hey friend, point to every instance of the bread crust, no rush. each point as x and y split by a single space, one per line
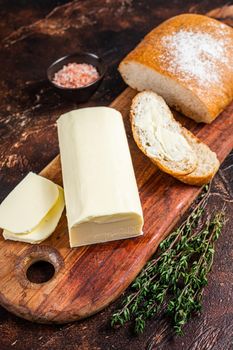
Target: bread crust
152 47
205 178
197 181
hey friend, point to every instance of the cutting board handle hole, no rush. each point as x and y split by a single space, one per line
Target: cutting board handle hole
38 265
40 271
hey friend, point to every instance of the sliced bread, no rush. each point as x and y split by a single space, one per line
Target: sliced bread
159 136
207 166
171 147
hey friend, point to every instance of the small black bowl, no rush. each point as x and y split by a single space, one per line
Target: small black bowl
81 94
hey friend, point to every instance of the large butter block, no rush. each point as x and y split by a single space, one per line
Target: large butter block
101 194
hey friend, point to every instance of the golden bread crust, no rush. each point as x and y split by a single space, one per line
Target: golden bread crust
205 177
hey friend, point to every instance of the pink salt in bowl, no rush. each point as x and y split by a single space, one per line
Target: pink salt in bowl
77 76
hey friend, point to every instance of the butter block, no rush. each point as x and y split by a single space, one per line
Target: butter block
102 200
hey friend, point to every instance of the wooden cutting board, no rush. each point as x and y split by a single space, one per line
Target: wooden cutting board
87 279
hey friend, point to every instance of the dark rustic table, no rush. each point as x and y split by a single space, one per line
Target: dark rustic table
32 35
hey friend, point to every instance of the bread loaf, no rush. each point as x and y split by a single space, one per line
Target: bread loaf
170 146
188 61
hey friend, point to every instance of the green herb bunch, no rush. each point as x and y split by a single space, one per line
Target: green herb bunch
175 279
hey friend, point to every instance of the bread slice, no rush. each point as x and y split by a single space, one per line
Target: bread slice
188 61
207 166
159 136
170 146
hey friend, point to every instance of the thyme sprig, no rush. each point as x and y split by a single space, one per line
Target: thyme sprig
175 279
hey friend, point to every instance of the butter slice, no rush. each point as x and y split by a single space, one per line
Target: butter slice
28 203
102 200
45 228
31 212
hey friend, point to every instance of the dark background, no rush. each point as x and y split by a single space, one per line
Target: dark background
32 35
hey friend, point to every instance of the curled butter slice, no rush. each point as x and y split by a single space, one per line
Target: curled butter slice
45 228
28 203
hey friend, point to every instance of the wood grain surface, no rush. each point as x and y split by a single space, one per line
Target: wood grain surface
88 278
32 35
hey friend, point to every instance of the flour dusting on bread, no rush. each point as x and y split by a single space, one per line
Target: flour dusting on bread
193 55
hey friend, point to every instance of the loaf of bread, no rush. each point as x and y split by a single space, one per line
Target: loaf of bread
188 60
170 146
